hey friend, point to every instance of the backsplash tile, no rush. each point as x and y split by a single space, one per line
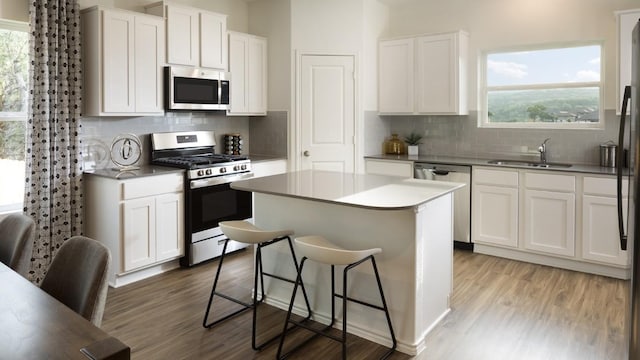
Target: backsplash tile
460 136
98 132
268 134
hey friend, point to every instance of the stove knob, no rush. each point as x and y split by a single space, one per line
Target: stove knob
208 172
200 173
243 167
223 170
236 168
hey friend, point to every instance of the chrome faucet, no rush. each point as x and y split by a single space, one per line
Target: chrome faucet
543 151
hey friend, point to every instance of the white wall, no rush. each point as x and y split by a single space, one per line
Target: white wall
495 24
17 10
376 17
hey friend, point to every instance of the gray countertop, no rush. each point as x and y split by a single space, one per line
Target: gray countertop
145 170
437 159
150 170
359 190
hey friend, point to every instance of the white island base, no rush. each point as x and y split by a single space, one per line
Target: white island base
415 265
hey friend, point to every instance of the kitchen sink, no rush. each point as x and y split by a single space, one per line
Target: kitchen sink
528 163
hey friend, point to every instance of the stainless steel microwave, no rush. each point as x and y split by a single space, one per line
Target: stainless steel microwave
188 88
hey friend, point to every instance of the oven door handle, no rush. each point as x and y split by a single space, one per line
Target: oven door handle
218 180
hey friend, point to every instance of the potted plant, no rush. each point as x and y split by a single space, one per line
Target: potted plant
413 140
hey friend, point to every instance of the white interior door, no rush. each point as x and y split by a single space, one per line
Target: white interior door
326 113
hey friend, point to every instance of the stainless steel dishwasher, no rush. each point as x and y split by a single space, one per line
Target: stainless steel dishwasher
461 197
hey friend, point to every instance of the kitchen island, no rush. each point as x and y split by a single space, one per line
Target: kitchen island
410 219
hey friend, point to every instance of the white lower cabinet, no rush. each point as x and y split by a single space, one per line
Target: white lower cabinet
140 220
549 222
600 234
496 215
549 213
139 232
554 218
494 204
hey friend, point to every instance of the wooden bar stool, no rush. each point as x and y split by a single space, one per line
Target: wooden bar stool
320 250
245 232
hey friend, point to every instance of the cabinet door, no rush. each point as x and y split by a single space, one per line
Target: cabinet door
149 50
549 222
169 230
118 62
139 244
600 238
495 215
182 36
396 76
238 60
213 41
257 73
439 62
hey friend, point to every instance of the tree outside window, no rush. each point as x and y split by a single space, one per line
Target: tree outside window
555 87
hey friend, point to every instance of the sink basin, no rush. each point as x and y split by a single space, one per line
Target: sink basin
528 163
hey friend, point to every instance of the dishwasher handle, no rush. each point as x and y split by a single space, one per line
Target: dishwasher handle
440 172
429 173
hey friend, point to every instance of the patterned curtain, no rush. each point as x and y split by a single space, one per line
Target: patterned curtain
53 189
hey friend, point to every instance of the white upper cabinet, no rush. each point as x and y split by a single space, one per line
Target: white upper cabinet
627 20
195 37
183 44
395 76
248 67
122 59
213 40
423 75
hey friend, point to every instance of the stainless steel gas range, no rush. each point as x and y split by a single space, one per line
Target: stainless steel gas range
209 199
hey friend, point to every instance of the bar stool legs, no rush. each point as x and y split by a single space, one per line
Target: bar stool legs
258 276
343 338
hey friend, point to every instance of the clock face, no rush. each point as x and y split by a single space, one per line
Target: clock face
126 150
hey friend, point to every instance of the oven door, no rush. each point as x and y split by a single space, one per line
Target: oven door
210 205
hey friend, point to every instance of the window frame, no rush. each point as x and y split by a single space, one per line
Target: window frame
12 25
483 90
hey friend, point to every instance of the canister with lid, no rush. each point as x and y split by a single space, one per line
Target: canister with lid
608 153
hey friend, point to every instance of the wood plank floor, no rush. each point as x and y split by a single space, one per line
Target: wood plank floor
501 309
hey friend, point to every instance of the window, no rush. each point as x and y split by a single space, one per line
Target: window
544 88
14 77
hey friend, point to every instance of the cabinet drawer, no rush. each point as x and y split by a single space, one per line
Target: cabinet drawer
565 183
495 177
392 168
152 185
604 186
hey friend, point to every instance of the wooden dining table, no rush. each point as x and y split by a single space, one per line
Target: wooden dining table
34 325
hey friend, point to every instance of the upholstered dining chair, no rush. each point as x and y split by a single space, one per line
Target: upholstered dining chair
77 277
16 242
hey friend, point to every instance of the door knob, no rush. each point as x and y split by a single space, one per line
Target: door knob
306 153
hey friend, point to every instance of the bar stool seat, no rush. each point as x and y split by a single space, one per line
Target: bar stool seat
245 232
321 250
